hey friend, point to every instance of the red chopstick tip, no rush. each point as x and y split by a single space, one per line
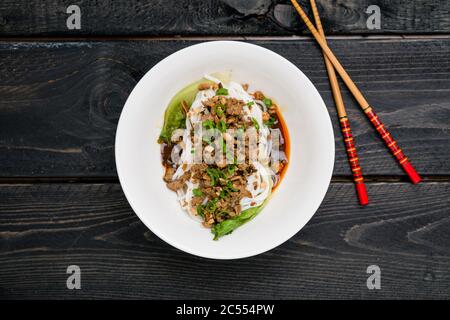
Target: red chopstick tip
412 173
362 194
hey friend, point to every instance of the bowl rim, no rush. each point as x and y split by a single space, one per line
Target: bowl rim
178 244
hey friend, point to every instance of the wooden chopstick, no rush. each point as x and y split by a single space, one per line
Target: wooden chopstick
368 110
343 119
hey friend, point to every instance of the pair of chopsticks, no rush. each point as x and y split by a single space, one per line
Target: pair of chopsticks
333 65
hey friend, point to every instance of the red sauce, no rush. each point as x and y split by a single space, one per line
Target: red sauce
285 147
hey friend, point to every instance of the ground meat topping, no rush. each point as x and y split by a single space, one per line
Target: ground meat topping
223 189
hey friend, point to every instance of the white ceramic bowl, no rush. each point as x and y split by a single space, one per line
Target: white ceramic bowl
312 148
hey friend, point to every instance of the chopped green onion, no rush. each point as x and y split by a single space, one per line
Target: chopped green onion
230 187
222 126
255 123
250 103
219 110
197 192
209 124
222 92
270 122
213 175
267 102
200 209
224 146
230 169
212 205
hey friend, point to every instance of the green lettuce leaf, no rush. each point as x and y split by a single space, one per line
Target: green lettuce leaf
227 226
174 116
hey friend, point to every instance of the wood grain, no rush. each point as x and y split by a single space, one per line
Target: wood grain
60 101
216 17
46 227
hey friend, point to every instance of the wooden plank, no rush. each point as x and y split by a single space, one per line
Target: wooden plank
46 227
60 101
217 17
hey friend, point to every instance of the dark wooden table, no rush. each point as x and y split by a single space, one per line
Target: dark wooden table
62 91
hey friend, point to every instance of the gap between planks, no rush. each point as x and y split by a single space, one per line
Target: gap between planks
71 38
101 180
